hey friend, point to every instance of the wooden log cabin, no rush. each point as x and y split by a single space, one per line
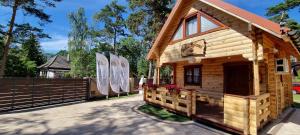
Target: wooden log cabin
233 67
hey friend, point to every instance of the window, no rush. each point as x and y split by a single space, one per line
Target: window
179 33
281 66
191 26
207 25
192 75
196 24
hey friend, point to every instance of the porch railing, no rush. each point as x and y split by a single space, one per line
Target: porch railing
245 113
181 102
259 112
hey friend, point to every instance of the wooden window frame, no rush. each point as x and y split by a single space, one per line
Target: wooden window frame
200 75
198 14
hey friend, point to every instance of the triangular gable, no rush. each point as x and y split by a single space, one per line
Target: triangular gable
185 5
195 22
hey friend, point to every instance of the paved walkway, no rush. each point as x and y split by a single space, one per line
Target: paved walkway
105 117
289 126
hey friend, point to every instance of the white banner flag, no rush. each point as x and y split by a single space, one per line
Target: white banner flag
124 74
115 71
102 74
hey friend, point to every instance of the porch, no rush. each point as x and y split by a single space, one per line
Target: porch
242 114
230 92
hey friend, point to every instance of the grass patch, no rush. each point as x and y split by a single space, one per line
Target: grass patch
162 114
296 100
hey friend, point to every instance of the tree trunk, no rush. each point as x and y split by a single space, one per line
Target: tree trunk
8 39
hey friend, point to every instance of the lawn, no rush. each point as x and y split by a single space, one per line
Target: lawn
162 114
297 100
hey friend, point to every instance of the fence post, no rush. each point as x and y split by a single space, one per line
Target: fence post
49 91
88 81
13 90
32 89
75 90
63 93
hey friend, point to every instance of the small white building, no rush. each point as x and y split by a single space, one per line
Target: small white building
55 67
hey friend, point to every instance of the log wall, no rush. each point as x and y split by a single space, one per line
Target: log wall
236 112
229 42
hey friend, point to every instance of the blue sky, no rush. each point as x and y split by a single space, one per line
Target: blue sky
60 27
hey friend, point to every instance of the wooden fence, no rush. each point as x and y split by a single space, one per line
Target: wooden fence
21 93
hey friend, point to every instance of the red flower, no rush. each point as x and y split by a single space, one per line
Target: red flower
173 88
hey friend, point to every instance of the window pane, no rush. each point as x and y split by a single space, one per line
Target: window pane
191 26
279 61
189 76
207 25
178 34
196 75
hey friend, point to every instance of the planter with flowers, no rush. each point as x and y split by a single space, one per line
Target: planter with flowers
173 89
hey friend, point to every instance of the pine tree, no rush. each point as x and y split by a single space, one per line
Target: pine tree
114 23
30 7
146 20
275 12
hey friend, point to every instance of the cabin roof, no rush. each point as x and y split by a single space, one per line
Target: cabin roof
56 62
257 21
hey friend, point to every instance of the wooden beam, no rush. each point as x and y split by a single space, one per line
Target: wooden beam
174 74
158 76
256 84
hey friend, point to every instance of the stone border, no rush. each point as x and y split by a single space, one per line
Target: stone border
191 122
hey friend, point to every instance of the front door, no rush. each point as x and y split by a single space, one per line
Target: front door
238 78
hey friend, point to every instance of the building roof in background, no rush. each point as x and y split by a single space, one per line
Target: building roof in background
56 62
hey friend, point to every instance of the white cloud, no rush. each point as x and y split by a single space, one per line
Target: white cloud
55 44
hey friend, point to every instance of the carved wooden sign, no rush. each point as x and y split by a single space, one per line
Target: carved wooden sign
196 48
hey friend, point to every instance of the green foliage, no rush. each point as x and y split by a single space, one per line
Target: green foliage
78 47
15 65
63 53
24 31
131 49
143 67
31 50
145 21
32 7
275 12
114 23
23 60
28 7
165 74
1 46
148 17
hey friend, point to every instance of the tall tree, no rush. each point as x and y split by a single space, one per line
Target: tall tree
147 19
131 49
114 23
279 13
30 7
78 46
31 50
